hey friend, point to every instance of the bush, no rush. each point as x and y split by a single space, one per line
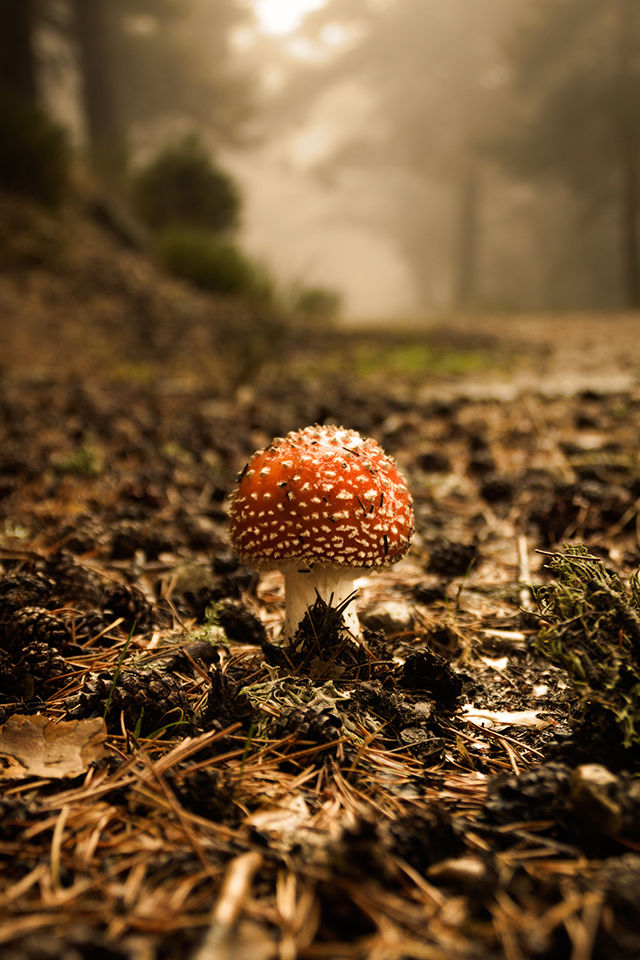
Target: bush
183 188
213 264
318 303
34 151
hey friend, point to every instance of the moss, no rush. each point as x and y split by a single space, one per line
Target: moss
413 359
85 461
592 629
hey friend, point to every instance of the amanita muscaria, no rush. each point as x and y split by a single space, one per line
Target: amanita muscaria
324 505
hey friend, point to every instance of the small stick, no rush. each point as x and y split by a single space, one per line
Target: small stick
524 575
234 892
570 556
56 845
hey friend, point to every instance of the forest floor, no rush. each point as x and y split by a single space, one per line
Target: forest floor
462 784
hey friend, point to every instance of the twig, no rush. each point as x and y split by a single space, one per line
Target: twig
56 845
234 892
570 556
524 575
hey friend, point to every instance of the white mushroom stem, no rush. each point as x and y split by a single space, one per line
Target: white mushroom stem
334 584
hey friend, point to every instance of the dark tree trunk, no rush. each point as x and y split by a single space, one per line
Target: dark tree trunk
95 26
17 59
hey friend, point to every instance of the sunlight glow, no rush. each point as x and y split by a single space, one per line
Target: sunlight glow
279 17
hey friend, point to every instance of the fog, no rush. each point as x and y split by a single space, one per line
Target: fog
313 243
424 158
415 156
323 228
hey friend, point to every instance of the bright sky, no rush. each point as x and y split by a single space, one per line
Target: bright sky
283 16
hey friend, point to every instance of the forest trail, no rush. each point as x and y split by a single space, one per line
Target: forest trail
558 354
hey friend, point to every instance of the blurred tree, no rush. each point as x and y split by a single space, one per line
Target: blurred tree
17 58
34 151
151 62
97 24
177 61
432 71
575 112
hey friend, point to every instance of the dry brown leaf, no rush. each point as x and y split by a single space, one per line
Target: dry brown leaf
37 747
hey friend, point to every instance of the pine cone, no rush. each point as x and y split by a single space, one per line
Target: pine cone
91 700
452 559
128 601
39 666
85 533
33 624
308 723
74 582
206 792
241 625
9 681
148 699
26 590
132 535
155 696
223 702
89 624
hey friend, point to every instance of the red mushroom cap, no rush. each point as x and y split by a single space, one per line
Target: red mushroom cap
321 495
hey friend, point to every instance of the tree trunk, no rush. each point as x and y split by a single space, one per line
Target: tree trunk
17 60
95 27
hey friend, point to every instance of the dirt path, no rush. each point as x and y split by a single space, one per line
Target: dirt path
562 354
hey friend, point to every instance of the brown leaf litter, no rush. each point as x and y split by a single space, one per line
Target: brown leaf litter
178 783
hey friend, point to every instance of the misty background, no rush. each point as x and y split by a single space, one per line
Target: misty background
415 157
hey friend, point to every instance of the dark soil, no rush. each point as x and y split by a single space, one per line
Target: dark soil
452 786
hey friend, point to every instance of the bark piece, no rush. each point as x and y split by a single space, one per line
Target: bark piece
32 746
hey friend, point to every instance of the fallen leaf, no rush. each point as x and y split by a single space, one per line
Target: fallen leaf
37 747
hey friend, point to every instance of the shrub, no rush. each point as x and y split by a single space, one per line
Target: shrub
317 303
183 188
34 151
214 264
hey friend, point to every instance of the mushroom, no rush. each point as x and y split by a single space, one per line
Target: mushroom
324 505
